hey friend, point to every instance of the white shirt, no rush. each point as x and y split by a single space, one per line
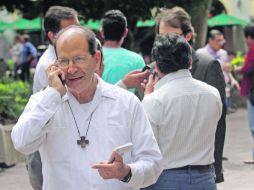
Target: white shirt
16 52
184 113
48 125
40 77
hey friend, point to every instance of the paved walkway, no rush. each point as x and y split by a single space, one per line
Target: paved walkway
238 147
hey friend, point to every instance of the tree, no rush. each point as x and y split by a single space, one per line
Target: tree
133 9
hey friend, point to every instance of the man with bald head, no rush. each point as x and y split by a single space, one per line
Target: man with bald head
76 124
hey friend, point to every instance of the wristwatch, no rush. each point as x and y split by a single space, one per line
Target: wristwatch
127 178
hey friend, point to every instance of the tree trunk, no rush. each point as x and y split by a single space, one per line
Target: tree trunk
199 22
200 26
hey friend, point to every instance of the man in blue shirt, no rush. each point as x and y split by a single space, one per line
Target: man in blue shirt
28 53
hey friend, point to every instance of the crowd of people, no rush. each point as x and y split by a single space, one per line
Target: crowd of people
23 54
85 104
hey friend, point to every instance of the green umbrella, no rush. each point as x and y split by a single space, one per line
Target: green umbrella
146 23
224 20
24 24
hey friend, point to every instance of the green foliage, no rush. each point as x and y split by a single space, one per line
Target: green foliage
13 97
10 64
238 60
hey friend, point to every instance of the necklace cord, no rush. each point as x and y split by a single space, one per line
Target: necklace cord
76 121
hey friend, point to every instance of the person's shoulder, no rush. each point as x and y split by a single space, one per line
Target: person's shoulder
131 53
201 50
204 58
206 87
47 58
251 49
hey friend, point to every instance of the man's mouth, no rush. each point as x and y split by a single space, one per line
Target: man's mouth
72 79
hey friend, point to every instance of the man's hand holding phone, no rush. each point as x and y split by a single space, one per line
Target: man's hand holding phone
135 78
56 78
114 167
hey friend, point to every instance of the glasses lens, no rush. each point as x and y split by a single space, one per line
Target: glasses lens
63 62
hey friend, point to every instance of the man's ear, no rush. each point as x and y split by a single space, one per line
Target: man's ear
99 67
102 33
125 33
51 36
188 36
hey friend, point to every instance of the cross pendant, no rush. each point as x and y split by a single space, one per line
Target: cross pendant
82 142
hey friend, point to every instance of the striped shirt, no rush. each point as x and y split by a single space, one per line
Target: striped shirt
184 113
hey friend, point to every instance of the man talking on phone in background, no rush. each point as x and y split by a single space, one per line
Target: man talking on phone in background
76 124
205 69
184 113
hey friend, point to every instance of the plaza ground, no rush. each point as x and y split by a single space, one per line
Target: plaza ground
238 146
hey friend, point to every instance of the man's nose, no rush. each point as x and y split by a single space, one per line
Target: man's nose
72 67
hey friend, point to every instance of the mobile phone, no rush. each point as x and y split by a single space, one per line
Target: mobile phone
123 149
146 68
63 81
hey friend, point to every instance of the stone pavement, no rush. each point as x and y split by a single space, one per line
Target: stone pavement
238 146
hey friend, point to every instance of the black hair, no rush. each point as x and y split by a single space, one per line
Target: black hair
54 16
26 37
213 33
114 24
249 31
171 53
88 34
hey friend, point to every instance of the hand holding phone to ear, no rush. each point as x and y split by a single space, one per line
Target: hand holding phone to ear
56 78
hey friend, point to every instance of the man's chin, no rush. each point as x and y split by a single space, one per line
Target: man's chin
76 89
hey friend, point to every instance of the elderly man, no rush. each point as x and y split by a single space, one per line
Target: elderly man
76 123
184 113
56 18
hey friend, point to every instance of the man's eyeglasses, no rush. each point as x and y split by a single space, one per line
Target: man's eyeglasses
78 60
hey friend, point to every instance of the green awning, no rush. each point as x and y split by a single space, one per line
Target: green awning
92 24
224 20
4 26
96 24
24 24
146 23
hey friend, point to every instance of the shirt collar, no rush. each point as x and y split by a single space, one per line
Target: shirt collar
172 76
215 54
210 50
51 48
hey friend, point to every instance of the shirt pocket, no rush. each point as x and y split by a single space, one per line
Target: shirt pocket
58 143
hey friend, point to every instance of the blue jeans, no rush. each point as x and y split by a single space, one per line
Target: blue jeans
184 180
250 109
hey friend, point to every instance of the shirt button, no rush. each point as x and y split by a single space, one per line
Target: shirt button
94 186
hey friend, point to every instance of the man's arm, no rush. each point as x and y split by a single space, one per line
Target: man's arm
31 128
133 79
147 157
146 166
28 133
